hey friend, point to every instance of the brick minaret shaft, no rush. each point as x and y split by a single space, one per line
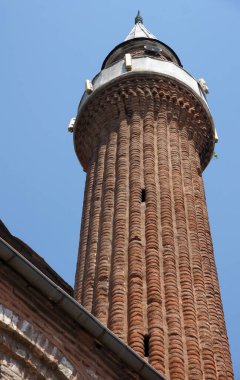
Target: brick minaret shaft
146 267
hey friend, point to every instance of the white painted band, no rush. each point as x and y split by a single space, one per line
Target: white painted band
141 65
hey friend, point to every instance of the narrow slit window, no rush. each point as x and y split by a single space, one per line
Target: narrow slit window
143 195
146 345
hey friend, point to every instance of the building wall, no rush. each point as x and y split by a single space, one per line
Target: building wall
38 341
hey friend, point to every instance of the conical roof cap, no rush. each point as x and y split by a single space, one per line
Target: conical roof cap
139 30
137 35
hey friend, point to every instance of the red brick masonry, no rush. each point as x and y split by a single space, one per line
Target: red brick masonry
39 341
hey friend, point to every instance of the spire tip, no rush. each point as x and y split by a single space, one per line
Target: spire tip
138 18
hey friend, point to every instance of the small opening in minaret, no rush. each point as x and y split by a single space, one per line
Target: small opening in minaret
152 50
143 197
146 345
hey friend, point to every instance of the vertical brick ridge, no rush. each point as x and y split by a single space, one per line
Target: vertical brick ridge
191 347
175 350
118 280
198 289
219 335
160 117
104 252
191 327
217 294
181 364
90 262
140 87
154 298
84 233
135 254
198 272
162 154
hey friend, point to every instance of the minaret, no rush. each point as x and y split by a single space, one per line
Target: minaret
144 134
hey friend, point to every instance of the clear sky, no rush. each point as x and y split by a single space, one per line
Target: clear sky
48 49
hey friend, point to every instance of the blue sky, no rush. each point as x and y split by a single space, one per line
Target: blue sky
48 49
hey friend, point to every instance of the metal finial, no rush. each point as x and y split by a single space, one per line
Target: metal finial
138 18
